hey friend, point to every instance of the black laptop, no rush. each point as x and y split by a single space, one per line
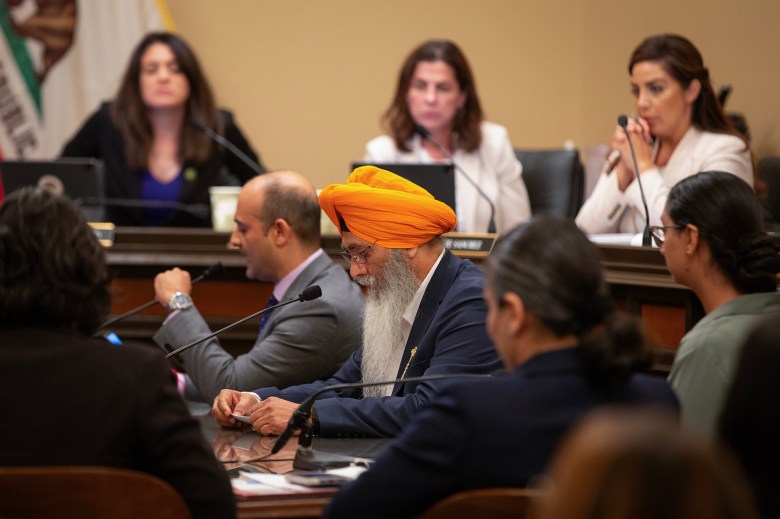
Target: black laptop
437 179
79 178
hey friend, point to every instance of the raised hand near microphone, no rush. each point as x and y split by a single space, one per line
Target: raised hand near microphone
167 283
643 147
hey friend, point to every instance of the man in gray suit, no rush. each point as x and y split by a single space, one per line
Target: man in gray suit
278 230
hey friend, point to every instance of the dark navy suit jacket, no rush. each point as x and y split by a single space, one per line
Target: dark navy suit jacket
497 432
450 336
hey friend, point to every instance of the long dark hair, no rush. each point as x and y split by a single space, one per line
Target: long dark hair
557 273
467 121
128 112
730 220
53 271
682 60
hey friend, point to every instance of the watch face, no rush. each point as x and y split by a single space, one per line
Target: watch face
180 301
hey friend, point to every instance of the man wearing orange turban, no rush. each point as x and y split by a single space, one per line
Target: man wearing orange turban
424 313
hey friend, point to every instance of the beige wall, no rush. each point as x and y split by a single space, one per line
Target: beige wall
309 79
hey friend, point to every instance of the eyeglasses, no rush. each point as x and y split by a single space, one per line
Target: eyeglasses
658 232
357 257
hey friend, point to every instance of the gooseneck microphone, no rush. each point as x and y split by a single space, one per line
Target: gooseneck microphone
301 416
309 293
623 122
214 270
426 135
214 136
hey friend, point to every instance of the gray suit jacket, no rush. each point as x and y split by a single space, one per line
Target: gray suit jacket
301 342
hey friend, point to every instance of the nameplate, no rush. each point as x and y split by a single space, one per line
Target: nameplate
478 244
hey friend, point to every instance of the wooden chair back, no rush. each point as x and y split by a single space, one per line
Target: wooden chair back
86 493
485 503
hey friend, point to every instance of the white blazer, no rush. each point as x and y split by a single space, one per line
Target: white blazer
607 210
493 167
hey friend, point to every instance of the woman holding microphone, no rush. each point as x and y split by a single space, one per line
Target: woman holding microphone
679 130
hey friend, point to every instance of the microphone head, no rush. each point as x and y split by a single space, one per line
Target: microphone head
622 121
422 131
214 270
309 293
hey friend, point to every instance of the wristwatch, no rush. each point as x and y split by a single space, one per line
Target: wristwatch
179 301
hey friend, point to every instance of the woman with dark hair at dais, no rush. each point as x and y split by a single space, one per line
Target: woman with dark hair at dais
436 91
159 162
679 130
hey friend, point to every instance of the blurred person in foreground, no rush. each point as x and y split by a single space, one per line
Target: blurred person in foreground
630 464
750 422
114 406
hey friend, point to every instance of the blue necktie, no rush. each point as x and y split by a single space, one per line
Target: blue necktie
271 302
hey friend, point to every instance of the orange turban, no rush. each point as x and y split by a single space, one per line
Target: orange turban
380 207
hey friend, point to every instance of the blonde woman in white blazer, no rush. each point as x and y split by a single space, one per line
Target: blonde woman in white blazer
680 130
436 91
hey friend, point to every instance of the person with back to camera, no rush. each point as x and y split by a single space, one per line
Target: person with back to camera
567 351
750 424
80 400
159 163
640 464
680 129
437 91
713 242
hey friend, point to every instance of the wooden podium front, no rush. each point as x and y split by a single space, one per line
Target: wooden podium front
638 279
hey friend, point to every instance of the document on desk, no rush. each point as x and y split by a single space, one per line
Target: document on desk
634 240
258 484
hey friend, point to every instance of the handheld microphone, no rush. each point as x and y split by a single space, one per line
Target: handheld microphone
426 135
214 270
309 293
214 136
623 122
301 416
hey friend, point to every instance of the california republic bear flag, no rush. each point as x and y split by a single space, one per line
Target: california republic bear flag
58 60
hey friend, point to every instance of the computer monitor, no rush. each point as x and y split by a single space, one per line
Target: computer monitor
437 179
79 178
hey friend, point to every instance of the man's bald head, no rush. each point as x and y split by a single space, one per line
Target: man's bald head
290 196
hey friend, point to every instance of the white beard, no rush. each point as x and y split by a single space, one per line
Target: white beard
389 293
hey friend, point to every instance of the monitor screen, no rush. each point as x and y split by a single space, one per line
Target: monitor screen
79 178
437 179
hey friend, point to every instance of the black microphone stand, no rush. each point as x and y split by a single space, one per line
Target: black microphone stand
213 270
309 293
308 459
214 136
426 135
646 239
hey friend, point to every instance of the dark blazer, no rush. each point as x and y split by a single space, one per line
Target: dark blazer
100 139
73 400
300 342
450 336
498 432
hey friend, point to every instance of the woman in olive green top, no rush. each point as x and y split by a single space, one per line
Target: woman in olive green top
713 241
